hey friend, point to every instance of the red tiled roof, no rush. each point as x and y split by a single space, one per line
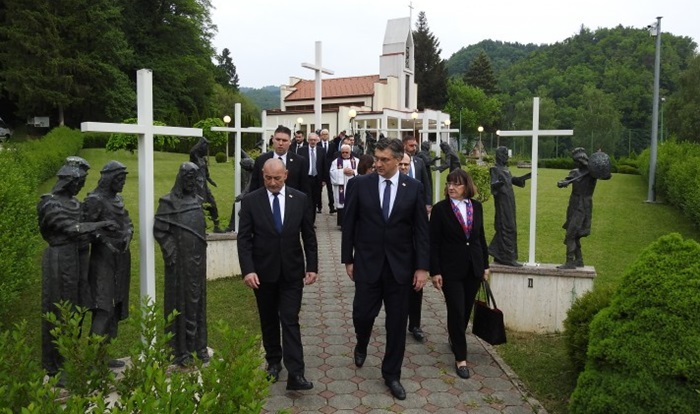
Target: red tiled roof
335 88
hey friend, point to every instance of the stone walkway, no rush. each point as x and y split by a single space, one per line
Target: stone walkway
428 369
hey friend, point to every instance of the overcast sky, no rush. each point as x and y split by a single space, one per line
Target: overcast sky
269 40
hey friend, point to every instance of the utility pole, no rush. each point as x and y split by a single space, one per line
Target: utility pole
651 195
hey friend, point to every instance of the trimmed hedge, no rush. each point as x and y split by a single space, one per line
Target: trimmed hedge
644 350
677 176
25 166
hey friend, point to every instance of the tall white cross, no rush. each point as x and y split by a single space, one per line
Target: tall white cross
316 67
145 130
263 129
535 133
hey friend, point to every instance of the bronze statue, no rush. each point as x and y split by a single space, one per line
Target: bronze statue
180 229
424 154
504 245
61 225
578 215
198 156
109 273
451 159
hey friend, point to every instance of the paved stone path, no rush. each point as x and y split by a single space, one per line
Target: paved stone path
428 375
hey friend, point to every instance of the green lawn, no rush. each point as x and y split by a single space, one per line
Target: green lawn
623 224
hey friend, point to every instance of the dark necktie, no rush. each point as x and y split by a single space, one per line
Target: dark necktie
386 200
277 213
410 168
281 159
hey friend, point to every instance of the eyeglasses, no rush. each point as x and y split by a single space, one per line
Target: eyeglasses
450 184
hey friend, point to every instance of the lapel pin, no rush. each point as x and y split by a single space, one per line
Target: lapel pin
403 184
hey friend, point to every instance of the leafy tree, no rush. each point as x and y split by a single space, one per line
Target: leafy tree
226 74
682 111
471 106
597 122
65 58
502 56
431 72
480 74
173 37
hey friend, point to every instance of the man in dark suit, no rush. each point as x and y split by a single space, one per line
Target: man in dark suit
297 166
327 144
298 142
417 170
385 249
270 254
316 156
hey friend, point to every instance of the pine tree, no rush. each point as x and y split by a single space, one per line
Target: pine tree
480 74
226 75
431 69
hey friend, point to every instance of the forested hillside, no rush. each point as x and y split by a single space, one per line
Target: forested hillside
600 83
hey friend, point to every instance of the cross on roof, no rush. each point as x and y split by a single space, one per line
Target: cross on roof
535 133
318 68
145 130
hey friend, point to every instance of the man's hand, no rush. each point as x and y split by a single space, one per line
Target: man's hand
310 278
437 282
349 271
251 280
419 278
487 273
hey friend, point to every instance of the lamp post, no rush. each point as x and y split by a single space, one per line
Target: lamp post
300 121
447 125
352 114
651 194
481 144
227 120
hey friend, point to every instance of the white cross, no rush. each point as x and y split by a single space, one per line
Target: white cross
237 148
535 133
317 83
145 130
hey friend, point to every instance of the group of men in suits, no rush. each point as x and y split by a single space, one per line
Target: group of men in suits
384 247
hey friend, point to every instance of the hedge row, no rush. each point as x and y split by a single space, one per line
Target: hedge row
677 176
24 166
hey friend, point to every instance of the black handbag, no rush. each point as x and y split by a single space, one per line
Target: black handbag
488 322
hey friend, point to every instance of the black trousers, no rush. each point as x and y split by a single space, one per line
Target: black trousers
366 305
279 304
415 307
459 298
315 186
329 192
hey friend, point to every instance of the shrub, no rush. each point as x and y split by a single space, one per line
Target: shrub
233 382
129 142
24 167
644 349
561 163
220 157
627 169
578 319
482 179
95 140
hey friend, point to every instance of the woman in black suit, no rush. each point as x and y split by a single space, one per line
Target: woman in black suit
458 257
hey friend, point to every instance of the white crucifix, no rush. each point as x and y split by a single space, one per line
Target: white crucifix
263 129
316 67
535 133
145 130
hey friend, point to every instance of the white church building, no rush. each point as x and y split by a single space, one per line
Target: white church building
384 103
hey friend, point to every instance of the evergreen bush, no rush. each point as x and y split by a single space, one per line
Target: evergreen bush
482 179
644 349
220 157
24 167
577 322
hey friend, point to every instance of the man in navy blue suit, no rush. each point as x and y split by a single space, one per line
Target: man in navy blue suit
385 249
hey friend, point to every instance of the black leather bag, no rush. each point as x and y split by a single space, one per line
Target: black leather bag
488 322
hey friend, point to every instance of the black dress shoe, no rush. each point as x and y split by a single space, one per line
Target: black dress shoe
360 357
332 211
396 389
298 383
319 211
273 372
462 372
418 334
115 363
